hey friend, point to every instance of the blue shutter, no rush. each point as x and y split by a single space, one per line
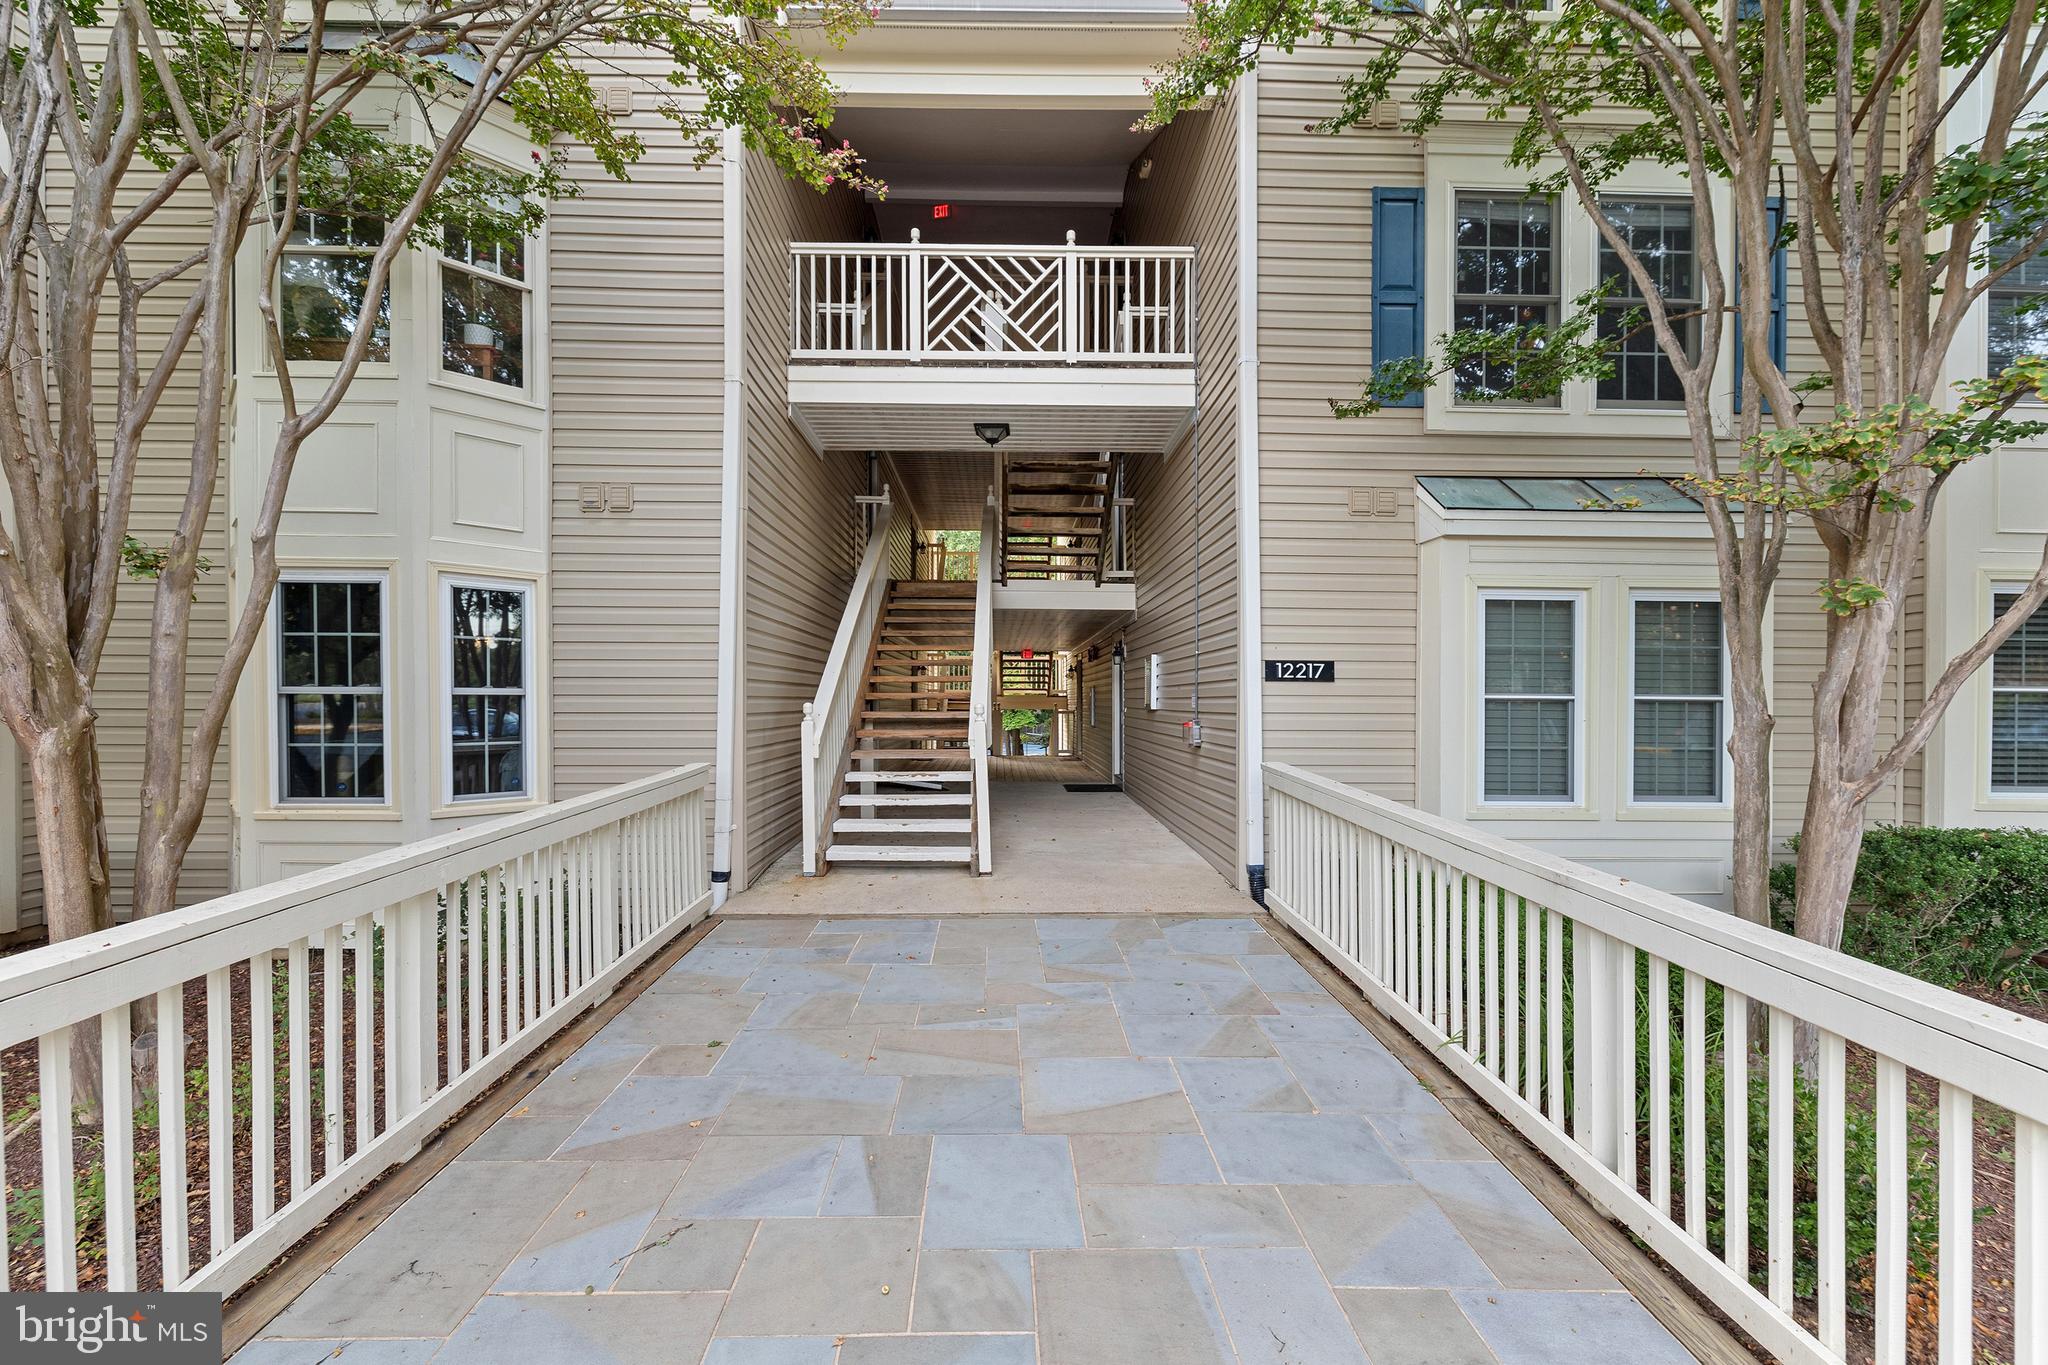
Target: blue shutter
1774 223
1397 255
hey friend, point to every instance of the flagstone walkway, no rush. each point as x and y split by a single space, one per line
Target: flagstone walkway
974 1141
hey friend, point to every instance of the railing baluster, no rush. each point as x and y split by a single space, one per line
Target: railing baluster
1660 1085
263 1087
1553 1006
1695 1037
1778 1200
1454 954
1890 1230
1532 966
494 971
452 930
333 1049
1735 1131
117 1147
60 1197
1958 1219
220 1109
1626 1162
298 1060
365 933
1832 1242
2030 1241
170 1133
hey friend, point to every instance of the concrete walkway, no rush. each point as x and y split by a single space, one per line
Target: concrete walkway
974 1141
1056 853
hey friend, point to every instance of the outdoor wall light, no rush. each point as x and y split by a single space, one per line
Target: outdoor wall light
995 433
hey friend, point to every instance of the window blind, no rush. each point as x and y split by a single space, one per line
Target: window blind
1678 701
1530 692
2019 704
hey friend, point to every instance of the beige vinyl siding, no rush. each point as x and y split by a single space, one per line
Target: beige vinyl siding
634 309
1096 742
803 530
120 695
1185 564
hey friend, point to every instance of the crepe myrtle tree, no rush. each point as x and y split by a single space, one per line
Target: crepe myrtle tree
133 120
1844 109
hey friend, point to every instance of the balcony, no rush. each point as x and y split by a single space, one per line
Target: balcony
906 346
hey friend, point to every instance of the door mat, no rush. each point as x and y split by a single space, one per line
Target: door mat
1094 786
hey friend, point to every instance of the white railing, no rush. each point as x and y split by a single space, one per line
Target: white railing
828 717
1549 988
980 720
1009 304
374 999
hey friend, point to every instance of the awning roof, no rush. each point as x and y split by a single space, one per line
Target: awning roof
1551 493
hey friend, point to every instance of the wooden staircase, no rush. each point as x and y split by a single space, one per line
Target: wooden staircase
907 795
1056 513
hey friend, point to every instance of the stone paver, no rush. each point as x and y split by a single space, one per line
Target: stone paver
980 1141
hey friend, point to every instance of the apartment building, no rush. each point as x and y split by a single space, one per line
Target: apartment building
665 487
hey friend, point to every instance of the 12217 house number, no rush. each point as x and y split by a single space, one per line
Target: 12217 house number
1300 670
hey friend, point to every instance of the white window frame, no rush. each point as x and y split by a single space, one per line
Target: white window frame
1576 799
448 692
443 263
1624 405
1993 791
278 690
1628 755
391 321
1555 304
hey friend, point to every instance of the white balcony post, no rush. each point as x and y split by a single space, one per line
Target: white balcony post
915 304
410 940
1070 302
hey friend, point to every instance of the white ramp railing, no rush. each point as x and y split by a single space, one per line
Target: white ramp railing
980 721
309 1035
1016 305
1611 1025
828 717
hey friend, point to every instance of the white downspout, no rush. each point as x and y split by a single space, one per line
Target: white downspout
1251 670
731 504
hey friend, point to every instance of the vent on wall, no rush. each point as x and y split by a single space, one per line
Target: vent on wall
617 100
1374 502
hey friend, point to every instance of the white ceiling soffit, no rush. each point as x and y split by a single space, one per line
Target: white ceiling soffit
949 491
1050 408
1053 628
1037 430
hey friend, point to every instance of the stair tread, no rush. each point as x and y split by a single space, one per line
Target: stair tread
898 775
906 799
860 825
952 758
869 732
1063 487
899 853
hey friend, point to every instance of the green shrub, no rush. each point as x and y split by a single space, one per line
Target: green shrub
1947 906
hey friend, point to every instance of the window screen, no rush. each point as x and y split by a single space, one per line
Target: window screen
1678 701
1530 696
330 697
487 705
2019 705
2017 321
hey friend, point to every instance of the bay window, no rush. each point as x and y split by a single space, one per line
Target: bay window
330 689
322 276
484 297
1529 703
2019 705
488 684
1679 713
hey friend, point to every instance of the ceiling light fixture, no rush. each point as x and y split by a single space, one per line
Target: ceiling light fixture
995 433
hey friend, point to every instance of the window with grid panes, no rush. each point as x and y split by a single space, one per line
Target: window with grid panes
2019 704
487 715
1506 276
2016 309
1660 233
484 306
1529 703
321 277
330 690
1679 704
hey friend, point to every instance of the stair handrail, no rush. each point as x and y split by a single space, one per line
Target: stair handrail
830 714
979 728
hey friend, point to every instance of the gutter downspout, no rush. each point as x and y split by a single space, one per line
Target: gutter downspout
1251 673
731 502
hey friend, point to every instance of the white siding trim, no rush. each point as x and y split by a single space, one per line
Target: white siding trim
731 525
1251 673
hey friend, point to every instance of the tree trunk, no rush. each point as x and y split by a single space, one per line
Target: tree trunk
71 842
1749 748
1830 838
